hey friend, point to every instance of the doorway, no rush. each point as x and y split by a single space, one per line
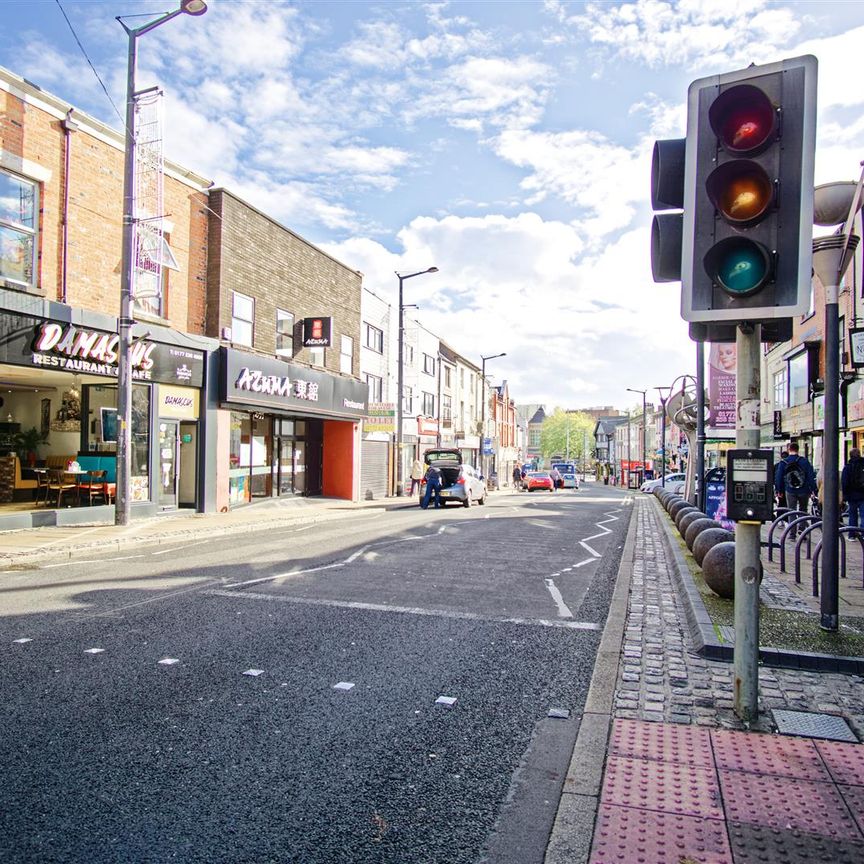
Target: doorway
168 464
188 460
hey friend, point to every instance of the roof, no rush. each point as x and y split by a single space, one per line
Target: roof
539 416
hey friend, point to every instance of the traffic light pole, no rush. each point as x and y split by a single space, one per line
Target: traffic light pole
700 424
747 534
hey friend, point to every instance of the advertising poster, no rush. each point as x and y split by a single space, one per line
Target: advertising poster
722 362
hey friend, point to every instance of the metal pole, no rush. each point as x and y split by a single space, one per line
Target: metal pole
644 435
400 374
629 463
747 534
700 425
663 441
438 436
483 415
829 594
122 504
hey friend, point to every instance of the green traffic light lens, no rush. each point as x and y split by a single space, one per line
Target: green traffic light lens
738 265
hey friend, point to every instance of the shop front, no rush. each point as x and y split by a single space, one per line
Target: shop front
291 430
59 409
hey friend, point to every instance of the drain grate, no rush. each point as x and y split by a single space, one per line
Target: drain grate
806 724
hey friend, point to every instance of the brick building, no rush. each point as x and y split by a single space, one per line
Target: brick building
61 188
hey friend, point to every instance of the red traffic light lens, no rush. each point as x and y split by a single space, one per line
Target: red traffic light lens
738 265
741 191
744 119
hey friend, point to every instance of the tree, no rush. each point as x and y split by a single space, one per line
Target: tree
567 433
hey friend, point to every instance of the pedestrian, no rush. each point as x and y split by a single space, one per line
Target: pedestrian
517 477
852 487
416 475
796 479
433 487
555 474
780 497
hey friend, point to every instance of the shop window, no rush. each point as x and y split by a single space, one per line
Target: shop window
429 404
799 379
346 355
242 319
284 334
407 401
375 388
373 338
19 209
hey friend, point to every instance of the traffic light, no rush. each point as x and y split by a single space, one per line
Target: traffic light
748 194
667 193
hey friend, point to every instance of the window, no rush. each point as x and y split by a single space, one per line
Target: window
780 381
19 210
284 334
316 356
346 355
154 260
447 376
428 364
375 388
408 352
407 401
446 410
429 404
799 379
373 338
242 319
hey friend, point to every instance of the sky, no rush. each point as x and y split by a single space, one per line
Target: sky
506 143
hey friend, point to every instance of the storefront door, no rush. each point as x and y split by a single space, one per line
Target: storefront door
168 464
283 467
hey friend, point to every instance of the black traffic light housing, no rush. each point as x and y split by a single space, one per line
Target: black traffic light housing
748 195
667 193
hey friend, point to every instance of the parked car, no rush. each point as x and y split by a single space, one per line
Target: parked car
539 480
651 485
459 482
570 480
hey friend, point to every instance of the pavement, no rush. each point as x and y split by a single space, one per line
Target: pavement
662 770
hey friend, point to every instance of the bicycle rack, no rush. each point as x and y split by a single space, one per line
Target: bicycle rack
856 533
784 514
806 533
793 526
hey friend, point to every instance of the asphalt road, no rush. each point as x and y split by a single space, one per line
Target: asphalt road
372 689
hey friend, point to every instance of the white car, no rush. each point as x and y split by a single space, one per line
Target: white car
570 480
651 485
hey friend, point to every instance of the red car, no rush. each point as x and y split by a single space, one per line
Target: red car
539 480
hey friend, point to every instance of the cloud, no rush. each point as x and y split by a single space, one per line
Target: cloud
688 33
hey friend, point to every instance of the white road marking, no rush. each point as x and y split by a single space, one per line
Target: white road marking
94 650
178 548
69 563
254 673
381 607
563 610
20 641
344 685
168 661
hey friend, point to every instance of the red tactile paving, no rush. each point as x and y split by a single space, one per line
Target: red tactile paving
787 804
854 798
626 835
768 754
844 761
752 844
662 786
664 742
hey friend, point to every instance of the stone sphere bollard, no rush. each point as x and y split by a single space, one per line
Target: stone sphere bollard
676 507
718 569
685 521
684 511
696 527
708 538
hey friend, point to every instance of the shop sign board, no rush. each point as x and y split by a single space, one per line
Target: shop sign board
264 382
856 341
317 332
381 417
426 425
179 402
57 345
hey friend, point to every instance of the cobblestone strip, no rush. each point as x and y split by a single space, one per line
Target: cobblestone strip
661 679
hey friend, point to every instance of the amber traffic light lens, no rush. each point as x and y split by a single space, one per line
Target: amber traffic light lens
741 191
744 119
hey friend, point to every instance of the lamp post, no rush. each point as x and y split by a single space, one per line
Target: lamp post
122 509
642 446
663 401
400 374
483 407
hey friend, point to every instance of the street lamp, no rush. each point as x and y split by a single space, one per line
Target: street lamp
483 407
643 445
400 374
122 509
663 401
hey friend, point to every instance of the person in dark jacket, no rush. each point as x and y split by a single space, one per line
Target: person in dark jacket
852 486
780 497
433 487
795 479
